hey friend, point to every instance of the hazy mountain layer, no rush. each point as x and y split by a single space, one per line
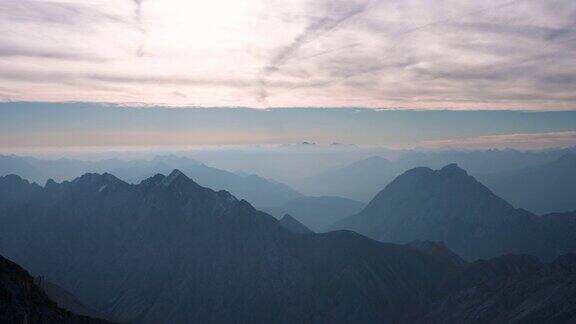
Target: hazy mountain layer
260 191
317 213
451 206
541 189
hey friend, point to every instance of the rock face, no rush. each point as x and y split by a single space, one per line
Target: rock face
168 250
451 206
22 301
294 226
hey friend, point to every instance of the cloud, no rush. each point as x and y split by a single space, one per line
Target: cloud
334 15
54 12
8 51
517 141
417 53
139 25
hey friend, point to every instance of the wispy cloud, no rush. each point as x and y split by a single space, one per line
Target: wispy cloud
139 25
515 54
334 15
517 141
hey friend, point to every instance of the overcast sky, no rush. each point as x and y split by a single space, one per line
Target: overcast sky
489 54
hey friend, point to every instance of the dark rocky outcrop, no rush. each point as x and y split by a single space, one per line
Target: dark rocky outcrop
22 301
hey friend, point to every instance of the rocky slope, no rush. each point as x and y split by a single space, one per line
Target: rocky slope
22 301
509 289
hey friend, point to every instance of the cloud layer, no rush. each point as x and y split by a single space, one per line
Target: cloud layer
516 54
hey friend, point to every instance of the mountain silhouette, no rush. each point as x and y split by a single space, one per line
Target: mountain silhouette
170 250
22 301
258 190
451 206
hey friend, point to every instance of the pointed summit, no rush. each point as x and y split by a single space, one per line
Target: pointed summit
434 205
176 176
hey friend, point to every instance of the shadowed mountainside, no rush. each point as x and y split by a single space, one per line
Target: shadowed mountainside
22 301
451 206
169 250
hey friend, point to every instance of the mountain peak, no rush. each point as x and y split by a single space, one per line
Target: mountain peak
174 177
434 205
453 169
14 179
97 179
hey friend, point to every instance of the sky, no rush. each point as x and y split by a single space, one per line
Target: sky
33 125
419 54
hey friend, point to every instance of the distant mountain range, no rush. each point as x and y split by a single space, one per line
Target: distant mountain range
169 250
359 180
22 301
317 213
260 191
541 189
451 206
542 182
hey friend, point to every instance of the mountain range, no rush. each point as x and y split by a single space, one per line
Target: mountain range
358 181
170 250
541 182
260 191
545 188
451 206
